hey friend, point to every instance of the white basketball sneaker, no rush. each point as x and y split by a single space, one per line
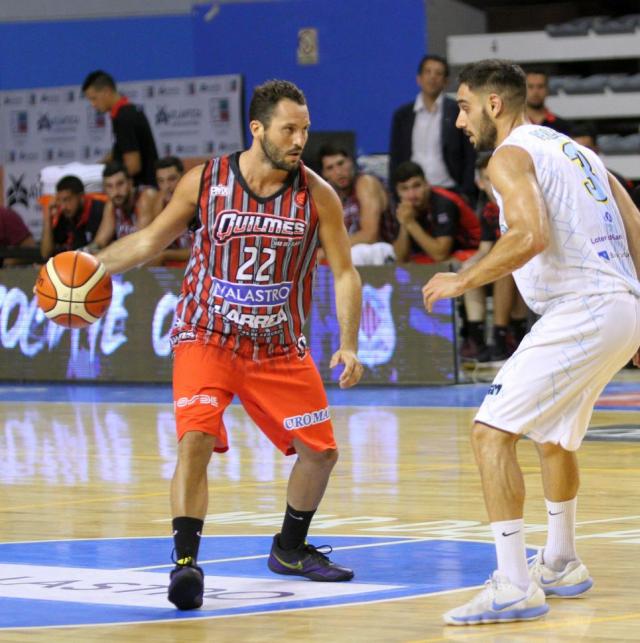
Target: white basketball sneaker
571 582
500 602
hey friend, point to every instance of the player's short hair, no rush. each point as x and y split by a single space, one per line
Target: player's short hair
170 161
405 171
501 77
71 183
331 149
98 79
268 95
114 167
439 59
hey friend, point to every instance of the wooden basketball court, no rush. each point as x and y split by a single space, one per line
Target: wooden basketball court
94 472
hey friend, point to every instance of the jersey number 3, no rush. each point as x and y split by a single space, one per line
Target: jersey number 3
593 183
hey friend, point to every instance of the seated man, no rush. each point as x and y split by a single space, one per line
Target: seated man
128 209
364 202
13 234
509 310
431 224
72 220
169 171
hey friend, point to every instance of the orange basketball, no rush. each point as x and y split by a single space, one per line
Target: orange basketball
73 289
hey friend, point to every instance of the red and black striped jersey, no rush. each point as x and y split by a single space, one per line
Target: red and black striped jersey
185 239
248 283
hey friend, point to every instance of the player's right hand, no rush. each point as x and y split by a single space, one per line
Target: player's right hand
443 285
636 359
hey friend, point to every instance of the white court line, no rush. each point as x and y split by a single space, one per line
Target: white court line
593 522
258 556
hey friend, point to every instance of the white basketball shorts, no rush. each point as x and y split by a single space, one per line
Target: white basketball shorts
547 389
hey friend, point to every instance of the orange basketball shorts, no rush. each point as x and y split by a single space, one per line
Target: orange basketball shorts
283 395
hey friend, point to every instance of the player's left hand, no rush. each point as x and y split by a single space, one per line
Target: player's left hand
636 359
352 371
443 285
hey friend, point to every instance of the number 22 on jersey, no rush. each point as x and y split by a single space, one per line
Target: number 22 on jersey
253 256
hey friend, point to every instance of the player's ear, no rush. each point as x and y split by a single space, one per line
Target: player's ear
257 128
496 105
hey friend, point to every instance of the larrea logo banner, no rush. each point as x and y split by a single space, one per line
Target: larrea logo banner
306 419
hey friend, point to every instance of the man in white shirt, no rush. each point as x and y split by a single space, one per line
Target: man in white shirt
424 131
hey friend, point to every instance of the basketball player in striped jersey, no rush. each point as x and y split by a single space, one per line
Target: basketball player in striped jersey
261 217
571 238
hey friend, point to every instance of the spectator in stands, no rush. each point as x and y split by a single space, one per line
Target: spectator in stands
537 111
586 134
424 131
509 310
134 145
365 203
72 220
169 171
14 234
128 209
431 224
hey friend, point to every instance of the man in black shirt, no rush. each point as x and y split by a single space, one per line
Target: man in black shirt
432 224
537 111
71 222
134 146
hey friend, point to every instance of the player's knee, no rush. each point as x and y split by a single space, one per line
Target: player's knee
322 459
195 446
332 457
328 458
549 450
486 439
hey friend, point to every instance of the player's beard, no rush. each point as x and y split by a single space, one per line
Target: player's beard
276 157
487 134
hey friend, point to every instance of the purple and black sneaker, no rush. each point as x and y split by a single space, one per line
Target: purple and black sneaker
186 587
308 561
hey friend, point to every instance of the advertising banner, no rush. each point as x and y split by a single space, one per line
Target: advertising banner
190 117
399 342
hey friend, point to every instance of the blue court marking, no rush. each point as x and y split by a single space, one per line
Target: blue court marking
459 396
412 567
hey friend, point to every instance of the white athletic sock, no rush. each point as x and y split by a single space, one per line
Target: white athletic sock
561 534
511 552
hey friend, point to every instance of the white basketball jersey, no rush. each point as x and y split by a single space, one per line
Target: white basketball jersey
588 253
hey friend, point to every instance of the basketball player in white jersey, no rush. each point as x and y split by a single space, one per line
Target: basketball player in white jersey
571 238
